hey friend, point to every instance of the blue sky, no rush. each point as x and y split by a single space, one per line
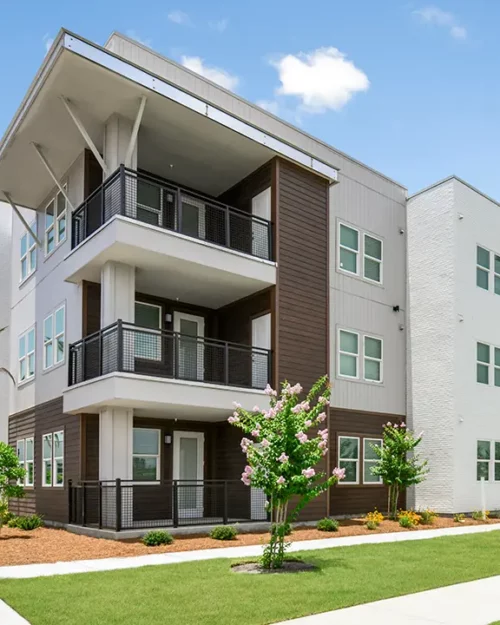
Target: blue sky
409 88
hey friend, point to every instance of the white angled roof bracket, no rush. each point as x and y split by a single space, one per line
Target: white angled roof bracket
78 123
135 131
19 214
52 174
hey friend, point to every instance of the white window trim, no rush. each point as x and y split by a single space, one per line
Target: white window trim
28 378
369 440
21 444
380 260
491 366
54 458
492 462
53 340
487 270
350 249
55 222
157 456
45 460
356 460
27 256
495 274
340 352
380 360
28 462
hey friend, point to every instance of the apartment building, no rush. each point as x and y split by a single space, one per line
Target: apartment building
193 248
454 288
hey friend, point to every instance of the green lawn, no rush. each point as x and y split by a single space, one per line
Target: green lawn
208 593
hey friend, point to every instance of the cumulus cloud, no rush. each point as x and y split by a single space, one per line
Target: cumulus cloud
322 79
219 25
179 17
215 74
437 17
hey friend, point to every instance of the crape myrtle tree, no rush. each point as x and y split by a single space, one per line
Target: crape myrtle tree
284 444
399 465
11 473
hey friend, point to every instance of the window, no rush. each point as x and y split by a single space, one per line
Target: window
348 249
348 354
370 459
488 460
28 253
20 455
372 359
372 267
53 459
349 458
483 364
53 338
47 460
27 356
25 454
147 345
482 268
55 222
146 455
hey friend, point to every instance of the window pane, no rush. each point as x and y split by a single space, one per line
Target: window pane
24 244
483 450
497 377
147 316
497 357
482 278
368 445
497 285
22 346
47 329
61 203
50 240
348 342
49 215
31 240
32 260
373 247
48 473
349 447
483 257
497 471
59 468
22 370
30 474
24 268
47 447
60 348
368 476
348 260
349 237
145 441
144 468
60 321
372 270
148 194
58 444
20 450
482 470
372 370
350 470
31 340
373 348
348 365
483 352
497 451
31 364
482 374
497 264
29 449
61 228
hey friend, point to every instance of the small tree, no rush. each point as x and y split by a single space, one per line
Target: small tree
281 455
399 465
10 473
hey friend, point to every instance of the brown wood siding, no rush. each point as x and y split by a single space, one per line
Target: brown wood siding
357 499
22 425
301 330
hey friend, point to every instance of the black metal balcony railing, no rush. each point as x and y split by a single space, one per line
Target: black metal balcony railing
143 197
126 347
125 504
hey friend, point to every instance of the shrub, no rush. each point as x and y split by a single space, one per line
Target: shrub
374 518
494 515
408 518
478 515
5 515
157 537
428 516
224 532
459 518
371 525
26 523
327 525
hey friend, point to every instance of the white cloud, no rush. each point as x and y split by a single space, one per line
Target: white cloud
322 79
133 35
269 105
438 17
215 74
219 25
179 17
47 41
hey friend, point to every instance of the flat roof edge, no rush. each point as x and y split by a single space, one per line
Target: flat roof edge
458 179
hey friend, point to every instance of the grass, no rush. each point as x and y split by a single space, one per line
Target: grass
209 593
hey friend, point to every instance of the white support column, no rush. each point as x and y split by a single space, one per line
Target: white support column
117 139
117 293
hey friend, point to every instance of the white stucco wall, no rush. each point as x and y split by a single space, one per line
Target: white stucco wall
6 386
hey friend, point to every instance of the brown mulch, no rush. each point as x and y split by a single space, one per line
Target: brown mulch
55 545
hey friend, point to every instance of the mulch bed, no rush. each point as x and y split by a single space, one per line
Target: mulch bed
56 545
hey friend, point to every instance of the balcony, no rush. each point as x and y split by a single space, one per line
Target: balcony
163 372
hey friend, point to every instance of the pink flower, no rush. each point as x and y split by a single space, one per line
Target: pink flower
270 414
245 478
245 443
295 390
248 470
323 434
321 417
308 423
322 444
255 433
296 409
265 443
310 472
301 437
322 400
280 480
338 473
256 409
233 419
283 457
278 406
395 425
236 405
270 391
305 406
388 424
403 425
324 452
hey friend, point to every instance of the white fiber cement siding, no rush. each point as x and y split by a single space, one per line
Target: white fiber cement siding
6 386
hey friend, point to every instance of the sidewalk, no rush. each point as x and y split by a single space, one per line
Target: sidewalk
472 603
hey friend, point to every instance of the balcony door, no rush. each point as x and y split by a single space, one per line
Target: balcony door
261 337
261 207
147 345
191 347
188 458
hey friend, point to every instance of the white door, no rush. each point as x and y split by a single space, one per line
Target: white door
188 469
261 337
191 349
261 207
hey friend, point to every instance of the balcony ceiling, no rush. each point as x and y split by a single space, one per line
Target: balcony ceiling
174 141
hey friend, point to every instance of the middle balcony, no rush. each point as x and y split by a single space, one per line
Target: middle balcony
193 246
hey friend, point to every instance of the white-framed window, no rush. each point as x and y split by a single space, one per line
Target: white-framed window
20 448
47 460
372 258
482 268
26 356
28 253
53 459
348 362
370 459
488 357
54 333
348 447
488 460
55 222
147 345
348 249
372 359
29 479
146 464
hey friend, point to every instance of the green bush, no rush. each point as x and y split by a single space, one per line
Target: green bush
459 518
5 514
406 521
26 523
224 532
288 529
371 525
327 525
428 516
157 537
478 515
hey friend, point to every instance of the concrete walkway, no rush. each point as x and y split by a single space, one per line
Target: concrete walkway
110 564
472 603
